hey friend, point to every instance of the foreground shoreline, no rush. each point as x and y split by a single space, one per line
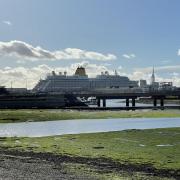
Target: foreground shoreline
10 116
106 168
143 154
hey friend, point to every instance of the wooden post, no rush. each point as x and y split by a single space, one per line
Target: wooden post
99 102
127 102
133 102
162 102
155 102
104 102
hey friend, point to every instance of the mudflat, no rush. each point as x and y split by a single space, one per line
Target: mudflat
29 165
15 165
10 116
141 154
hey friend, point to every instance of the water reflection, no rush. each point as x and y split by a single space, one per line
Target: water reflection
122 103
49 128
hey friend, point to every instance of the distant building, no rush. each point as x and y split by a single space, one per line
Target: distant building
154 85
143 83
152 77
166 86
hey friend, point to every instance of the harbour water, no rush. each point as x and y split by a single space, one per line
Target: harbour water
50 128
121 103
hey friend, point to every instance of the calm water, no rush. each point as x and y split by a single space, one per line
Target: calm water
121 103
49 128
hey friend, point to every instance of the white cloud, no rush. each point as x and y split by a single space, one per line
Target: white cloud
20 61
7 23
145 73
165 61
160 69
23 50
137 75
178 52
120 67
19 75
129 56
175 74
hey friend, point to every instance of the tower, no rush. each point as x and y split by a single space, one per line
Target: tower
153 77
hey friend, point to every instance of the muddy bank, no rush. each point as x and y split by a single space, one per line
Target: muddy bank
29 165
36 115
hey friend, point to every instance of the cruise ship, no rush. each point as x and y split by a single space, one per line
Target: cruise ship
81 82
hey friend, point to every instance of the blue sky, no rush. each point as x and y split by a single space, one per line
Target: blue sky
138 33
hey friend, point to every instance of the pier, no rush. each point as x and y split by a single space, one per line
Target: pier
158 98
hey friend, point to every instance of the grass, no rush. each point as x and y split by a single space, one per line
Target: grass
8 116
93 173
159 148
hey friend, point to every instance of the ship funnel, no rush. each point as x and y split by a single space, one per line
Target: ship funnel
80 71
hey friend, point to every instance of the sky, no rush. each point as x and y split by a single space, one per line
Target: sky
129 36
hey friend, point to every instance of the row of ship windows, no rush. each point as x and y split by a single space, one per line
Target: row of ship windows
94 83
